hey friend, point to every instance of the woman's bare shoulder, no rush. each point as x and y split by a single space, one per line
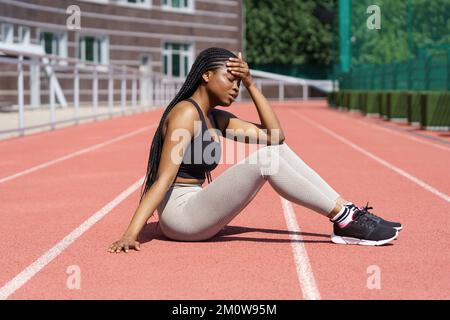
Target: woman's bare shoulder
182 115
183 110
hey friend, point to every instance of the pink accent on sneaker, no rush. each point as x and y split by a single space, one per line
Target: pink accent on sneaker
346 224
348 219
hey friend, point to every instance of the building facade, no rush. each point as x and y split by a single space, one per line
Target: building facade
158 36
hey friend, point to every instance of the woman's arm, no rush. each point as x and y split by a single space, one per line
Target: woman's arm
269 131
146 208
269 119
180 130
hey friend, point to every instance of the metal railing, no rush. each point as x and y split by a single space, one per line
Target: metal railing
96 90
67 90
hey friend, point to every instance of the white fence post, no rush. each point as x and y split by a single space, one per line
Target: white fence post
305 91
151 91
20 94
35 83
76 92
52 99
134 92
95 93
281 91
158 91
123 90
111 91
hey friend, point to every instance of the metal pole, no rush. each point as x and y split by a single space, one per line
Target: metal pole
110 91
143 92
134 92
344 34
123 90
280 91
52 100
151 91
165 90
95 93
35 86
156 91
76 92
305 92
20 97
410 23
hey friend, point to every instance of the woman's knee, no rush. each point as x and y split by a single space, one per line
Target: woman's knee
268 159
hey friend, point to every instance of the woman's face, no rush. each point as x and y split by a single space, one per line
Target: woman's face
224 86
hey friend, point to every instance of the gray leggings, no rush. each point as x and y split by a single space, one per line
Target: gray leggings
193 213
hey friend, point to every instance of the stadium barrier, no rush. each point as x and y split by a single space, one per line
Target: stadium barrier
430 110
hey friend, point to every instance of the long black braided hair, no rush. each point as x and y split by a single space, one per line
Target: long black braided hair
208 59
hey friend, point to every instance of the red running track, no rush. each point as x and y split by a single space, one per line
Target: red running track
66 195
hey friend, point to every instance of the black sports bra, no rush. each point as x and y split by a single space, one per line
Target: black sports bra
206 155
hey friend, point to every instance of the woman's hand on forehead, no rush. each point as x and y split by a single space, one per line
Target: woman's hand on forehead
239 68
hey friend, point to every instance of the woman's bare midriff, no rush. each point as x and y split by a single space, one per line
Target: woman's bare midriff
187 180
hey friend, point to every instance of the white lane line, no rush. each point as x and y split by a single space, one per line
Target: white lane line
74 154
303 267
401 172
401 134
23 277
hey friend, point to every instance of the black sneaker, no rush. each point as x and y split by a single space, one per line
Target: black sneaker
363 230
396 225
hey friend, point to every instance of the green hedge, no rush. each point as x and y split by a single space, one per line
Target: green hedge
385 101
344 99
430 109
332 99
354 100
373 104
398 106
416 100
435 112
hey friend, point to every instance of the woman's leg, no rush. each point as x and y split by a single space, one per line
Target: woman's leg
210 209
301 167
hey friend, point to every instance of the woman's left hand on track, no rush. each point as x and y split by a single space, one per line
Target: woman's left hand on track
124 244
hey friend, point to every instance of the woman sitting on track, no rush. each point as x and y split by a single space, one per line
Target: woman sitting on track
175 173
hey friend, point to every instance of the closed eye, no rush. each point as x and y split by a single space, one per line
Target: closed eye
233 79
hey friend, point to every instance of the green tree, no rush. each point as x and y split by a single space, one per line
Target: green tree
406 25
288 32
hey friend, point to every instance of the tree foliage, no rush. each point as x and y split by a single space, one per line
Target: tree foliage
406 26
290 32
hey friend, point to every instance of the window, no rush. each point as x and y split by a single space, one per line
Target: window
54 43
134 3
99 1
94 49
7 32
177 59
179 5
24 34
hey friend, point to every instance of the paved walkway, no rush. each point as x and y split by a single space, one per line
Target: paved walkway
39 119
